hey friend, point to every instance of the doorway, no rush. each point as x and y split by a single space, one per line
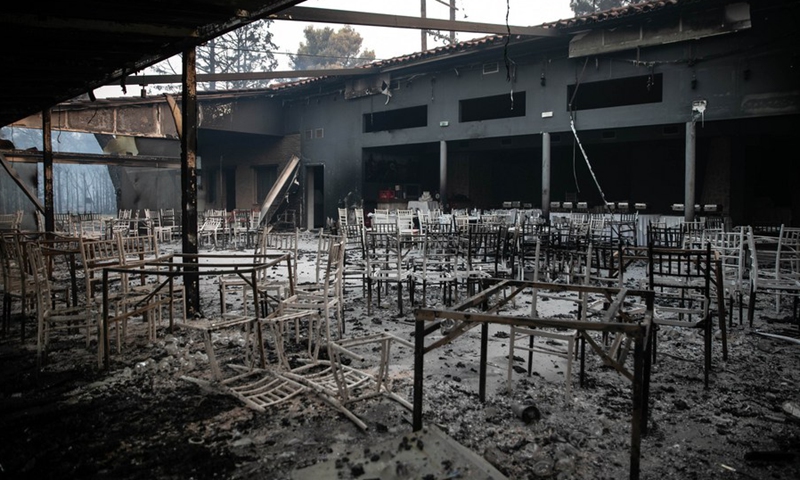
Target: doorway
229 177
315 196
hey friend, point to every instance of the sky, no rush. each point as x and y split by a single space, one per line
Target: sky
394 42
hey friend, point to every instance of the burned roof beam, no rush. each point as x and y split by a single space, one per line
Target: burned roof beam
231 77
25 156
306 14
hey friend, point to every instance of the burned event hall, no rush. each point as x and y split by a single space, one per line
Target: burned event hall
523 248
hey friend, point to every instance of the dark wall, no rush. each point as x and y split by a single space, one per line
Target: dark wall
637 150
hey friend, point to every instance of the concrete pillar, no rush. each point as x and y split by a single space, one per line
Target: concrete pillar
689 174
546 175
443 174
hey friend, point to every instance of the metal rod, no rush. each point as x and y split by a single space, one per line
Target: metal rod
419 359
636 420
484 347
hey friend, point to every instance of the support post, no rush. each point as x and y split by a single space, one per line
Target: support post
47 160
443 174
688 199
419 359
638 409
189 178
423 33
484 360
546 175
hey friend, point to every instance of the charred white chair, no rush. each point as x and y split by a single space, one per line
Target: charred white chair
51 318
775 268
559 343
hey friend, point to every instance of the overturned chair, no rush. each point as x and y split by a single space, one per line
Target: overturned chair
321 369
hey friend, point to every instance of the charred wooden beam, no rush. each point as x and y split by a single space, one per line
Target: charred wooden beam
25 156
322 15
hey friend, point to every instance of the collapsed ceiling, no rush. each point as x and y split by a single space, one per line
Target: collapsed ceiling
58 51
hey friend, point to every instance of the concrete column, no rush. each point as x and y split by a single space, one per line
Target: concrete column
689 173
546 175
443 173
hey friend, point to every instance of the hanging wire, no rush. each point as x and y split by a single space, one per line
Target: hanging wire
506 59
571 116
578 140
586 158
574 167
510 66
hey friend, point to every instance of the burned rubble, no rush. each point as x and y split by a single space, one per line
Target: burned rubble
143 419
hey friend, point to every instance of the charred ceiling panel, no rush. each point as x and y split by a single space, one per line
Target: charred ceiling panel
131 121
255 114
151 118
217 115
698 24
364 86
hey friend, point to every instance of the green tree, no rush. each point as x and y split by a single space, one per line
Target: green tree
583 7
247 49
325 48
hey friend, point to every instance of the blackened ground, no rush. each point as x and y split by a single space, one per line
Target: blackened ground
142 419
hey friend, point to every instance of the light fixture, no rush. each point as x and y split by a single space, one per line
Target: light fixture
623 205
555 204
677 207
712 208
567 205
640 206
583 205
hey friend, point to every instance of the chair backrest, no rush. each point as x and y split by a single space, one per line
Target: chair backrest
324 244
13 262
139 248
168 218
41 277
679 272
729 249
332 287
280 242
342 218
661 235
359 216
405 221
486 247
11 221
383 254
97 254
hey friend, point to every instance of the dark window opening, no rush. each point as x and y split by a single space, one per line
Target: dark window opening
492 108
399 119
213 185
616 93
